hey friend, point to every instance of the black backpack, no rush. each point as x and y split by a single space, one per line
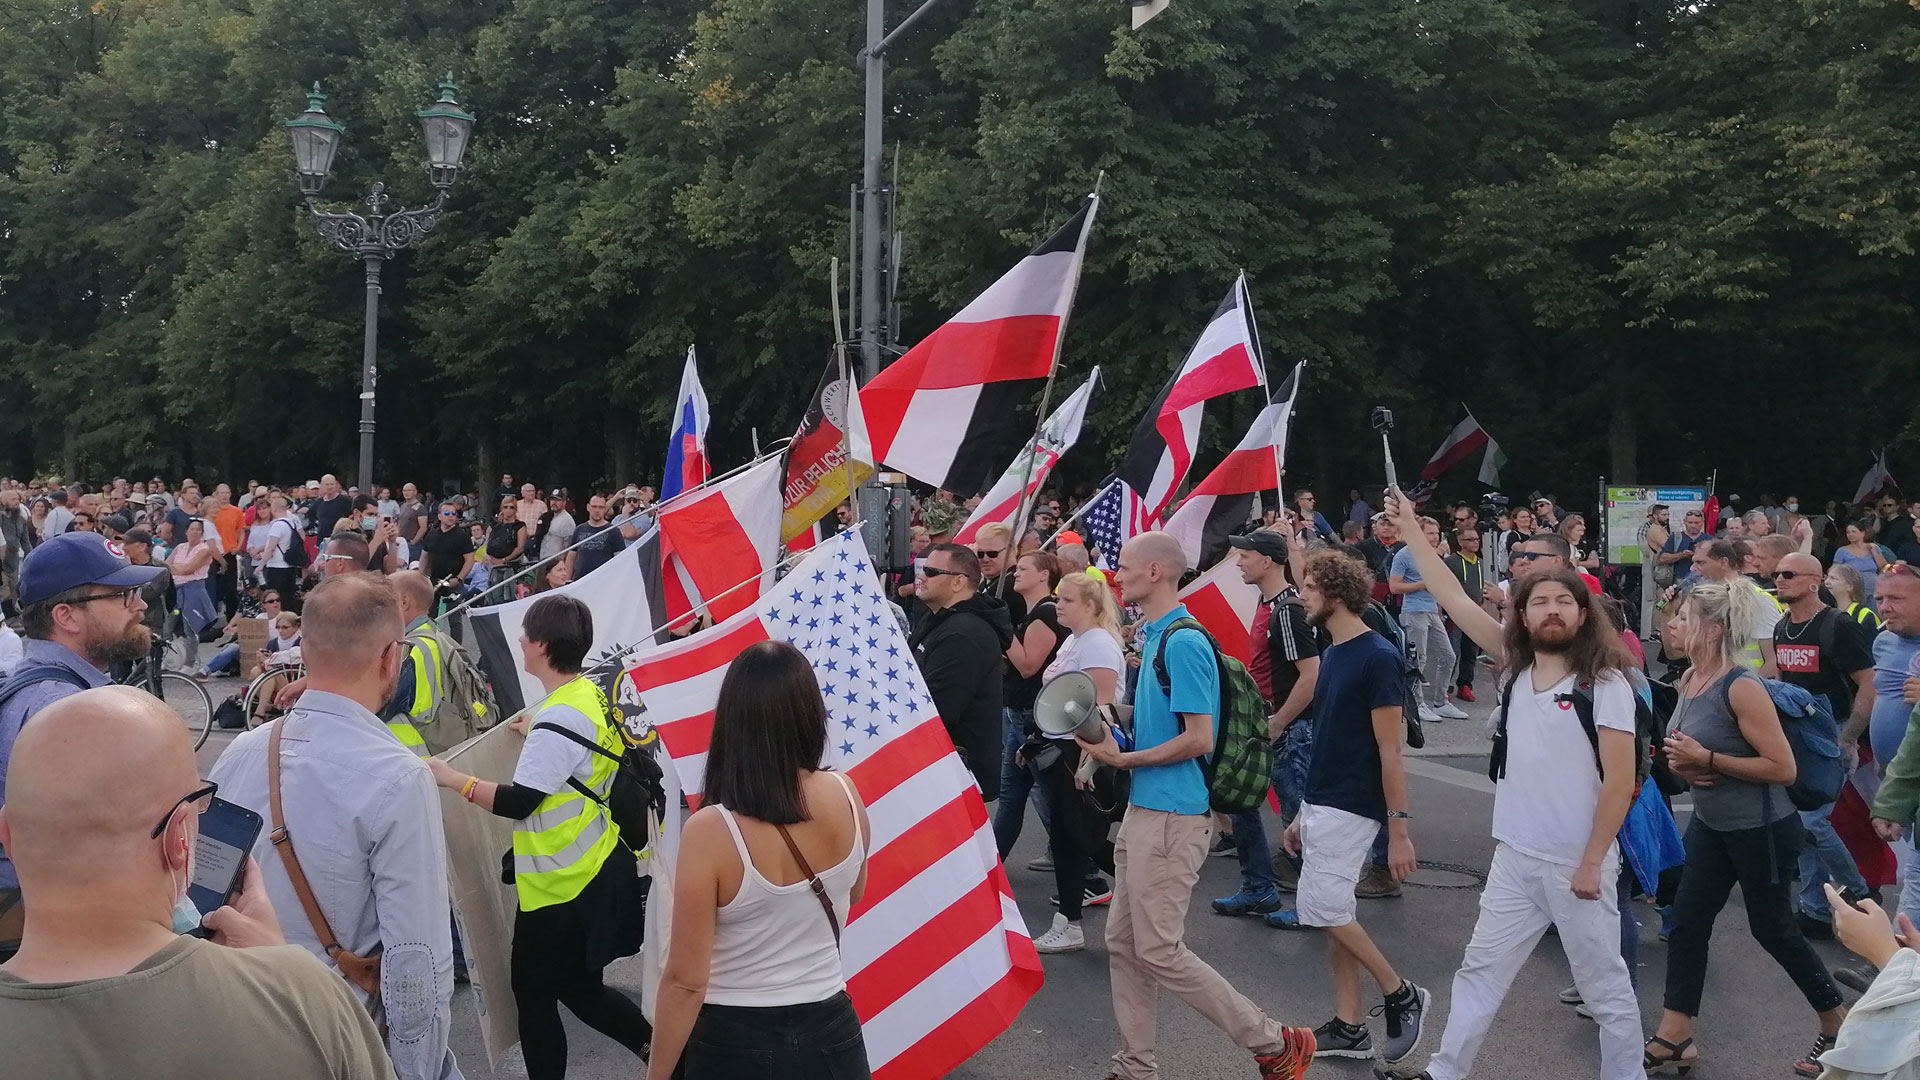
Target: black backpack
296 552
636 787
1382 622
1649 731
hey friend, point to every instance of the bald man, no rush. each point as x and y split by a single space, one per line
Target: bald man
102 821
363 817
1828 655
1167 829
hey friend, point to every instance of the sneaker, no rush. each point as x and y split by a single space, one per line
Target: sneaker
1809 1066
1858 977
1042 863
1582 1011
1429 715
1223 845
1381 1072
1063 937
1249 903
1286 873
1465 693
1296 1053
1097 893
1338 1039
1451 711
1406 1015
1815 929
1285 920
1376 884
1571 996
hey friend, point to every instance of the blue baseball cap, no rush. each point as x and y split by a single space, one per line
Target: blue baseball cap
70 560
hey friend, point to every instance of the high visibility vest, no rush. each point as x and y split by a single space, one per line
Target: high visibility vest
559 847
425 658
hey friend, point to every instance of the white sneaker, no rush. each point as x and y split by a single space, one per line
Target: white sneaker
1428 715
1452 711
1064 937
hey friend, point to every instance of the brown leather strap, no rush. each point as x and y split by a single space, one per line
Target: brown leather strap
819 887
363 972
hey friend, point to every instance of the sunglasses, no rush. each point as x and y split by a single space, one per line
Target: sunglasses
206 793
1789 575
1899 568
989 554
934 572
1529 556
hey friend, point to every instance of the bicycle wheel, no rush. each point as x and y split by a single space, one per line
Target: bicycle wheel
191 702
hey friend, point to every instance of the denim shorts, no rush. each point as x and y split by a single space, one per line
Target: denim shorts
819 1040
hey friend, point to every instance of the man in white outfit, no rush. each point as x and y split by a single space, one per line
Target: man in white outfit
1564 772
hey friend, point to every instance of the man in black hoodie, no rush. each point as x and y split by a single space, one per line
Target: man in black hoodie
961 646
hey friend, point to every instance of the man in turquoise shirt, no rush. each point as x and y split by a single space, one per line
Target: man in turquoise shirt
1165 834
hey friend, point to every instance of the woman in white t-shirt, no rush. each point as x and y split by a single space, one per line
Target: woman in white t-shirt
1086 608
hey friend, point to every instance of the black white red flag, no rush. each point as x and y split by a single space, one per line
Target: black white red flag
1230 495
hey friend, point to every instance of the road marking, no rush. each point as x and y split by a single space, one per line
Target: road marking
1447 774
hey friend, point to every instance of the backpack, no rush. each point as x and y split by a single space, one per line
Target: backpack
1240 769
636 789
1807 720
30 674
1649 730
464 700
1382 622
295 552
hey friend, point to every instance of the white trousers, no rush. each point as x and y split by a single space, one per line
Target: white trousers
1523 895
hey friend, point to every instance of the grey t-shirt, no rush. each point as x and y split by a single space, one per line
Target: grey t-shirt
194 1011
1731 803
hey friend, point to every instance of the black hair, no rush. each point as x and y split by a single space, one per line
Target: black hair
565 626
963 559
769 728
365 502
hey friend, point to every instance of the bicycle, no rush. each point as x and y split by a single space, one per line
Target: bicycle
182 693
256 703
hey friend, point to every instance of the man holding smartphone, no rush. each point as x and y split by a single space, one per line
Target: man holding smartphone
101 787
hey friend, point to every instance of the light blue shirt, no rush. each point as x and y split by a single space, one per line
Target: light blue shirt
1179 788
1413 602
29 701
1896 658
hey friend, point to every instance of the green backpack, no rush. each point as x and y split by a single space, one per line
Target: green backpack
1240 769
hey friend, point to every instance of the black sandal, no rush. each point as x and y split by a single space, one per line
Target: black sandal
1810 1066
1675 1057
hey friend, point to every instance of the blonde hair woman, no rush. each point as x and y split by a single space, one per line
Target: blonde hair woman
1727 741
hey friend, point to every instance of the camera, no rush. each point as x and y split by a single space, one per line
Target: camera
1382 419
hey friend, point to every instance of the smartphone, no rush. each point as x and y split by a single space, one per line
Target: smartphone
227 834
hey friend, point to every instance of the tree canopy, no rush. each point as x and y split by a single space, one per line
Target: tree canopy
1641 240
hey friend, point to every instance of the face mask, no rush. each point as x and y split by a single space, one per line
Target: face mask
186 917
369 523
1793 508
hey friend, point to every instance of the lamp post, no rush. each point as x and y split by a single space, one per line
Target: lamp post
380 234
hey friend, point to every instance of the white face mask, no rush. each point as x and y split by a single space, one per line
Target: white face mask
1793 508
186 917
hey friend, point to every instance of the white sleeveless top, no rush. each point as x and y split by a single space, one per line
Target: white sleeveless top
772 944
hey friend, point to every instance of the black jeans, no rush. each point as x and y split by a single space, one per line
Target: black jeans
819 1040
550 968
1078 840
285 580
1761 861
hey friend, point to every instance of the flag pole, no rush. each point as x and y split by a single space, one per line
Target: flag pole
1266 383
853 387
1077 514
1053 370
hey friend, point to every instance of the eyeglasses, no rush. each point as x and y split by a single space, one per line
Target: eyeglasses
125 596
206 793
934 572
989 554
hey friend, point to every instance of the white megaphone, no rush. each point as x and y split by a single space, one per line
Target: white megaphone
1067 705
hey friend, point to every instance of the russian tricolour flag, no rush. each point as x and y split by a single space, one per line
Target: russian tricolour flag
687 449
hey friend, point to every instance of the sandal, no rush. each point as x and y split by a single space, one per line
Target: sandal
1809 1066
1675 1058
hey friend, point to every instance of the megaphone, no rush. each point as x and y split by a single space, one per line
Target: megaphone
1067 705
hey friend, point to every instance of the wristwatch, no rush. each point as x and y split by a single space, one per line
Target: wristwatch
1401 814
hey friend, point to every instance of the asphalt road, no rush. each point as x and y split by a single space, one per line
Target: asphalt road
1754 1023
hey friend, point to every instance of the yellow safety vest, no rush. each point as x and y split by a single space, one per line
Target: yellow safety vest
559 847
425 657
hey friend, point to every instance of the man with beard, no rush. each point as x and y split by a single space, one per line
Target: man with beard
1564 775
81 612
363 821
1356 786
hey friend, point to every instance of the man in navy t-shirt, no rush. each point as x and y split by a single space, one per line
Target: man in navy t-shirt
597 541
1165 834
1355 785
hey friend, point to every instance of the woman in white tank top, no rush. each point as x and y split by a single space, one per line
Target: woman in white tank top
769 870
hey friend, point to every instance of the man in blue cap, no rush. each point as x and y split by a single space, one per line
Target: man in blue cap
81 612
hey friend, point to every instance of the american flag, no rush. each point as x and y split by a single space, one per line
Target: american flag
938 959
1115 516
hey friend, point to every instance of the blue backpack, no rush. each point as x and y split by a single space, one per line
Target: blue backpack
1808 721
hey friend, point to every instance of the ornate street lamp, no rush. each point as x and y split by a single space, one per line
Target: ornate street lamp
380 234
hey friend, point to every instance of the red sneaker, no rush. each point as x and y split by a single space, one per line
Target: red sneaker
1465 693
1291 1062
